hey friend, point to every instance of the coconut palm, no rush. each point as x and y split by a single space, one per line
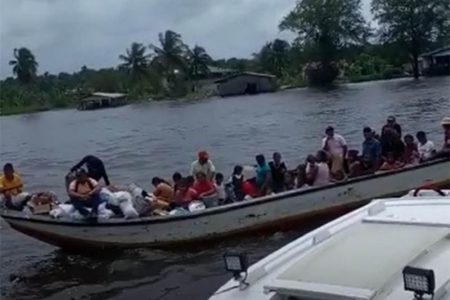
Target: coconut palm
198 61
24 65
135 61
169 57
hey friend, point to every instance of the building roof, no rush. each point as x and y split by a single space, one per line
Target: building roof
108 95
437 52
254 74
213 69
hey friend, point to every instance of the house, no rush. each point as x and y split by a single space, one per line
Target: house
245 83
102 100
436 62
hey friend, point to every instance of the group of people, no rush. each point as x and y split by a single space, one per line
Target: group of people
332 163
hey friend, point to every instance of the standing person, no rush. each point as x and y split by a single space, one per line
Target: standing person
203 164
95 168
425 147
371 153
263 176
336 146
11 194
278 170
391 123
84 192
411 155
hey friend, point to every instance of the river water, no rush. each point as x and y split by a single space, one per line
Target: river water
140 141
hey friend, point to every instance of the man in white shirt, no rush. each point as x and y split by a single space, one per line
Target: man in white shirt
425 147
203 164
336 147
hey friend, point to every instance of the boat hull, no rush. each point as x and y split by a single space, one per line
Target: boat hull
271 212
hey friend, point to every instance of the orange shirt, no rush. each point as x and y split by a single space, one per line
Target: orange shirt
11 187
164 192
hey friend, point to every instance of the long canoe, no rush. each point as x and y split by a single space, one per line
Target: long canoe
263 213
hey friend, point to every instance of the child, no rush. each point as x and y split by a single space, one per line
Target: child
220 188
390 163
355 167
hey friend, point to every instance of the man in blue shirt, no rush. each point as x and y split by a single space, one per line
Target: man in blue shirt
371 149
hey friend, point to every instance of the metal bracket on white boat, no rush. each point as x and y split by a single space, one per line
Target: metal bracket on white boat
321 236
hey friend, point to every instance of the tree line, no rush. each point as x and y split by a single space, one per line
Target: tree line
333 40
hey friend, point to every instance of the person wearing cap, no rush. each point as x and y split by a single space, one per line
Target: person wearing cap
336 147
371 153
391 122
203 164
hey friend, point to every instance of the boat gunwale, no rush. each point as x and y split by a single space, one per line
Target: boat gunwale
6 214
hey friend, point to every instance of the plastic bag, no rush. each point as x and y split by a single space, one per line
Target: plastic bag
108 196
62 211
126 205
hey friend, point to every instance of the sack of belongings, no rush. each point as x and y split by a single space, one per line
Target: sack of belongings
140 203
42 203
126 204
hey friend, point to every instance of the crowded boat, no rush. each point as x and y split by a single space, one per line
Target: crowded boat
91 195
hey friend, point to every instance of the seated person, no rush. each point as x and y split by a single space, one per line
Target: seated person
278 170
220 188
289 181
233 187
263 175
339 176
205 190
11 194
391 163
317 169
355 167
95 168
411 154
425 147
249 186
176 178
84 192
163 191
184 194
301 180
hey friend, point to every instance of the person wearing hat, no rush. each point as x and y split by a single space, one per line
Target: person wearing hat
336 147
203 164
391 123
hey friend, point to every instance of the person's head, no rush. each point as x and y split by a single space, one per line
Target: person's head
352 155
190 179
156 181
409 140
203 157
390 157
176 177
183 184
277 157
200 176
237 170
446 124
329 131
8 171
368 133
82 175
219 178
421 137
390 120
321 156
311 159
260 159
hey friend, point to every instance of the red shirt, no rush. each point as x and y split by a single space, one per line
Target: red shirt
203 186
186 196
249 189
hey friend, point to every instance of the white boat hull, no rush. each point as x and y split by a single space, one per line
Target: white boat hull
257 214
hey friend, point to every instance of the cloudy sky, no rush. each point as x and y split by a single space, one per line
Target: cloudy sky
67 34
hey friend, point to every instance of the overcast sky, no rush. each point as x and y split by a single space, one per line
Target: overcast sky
64 35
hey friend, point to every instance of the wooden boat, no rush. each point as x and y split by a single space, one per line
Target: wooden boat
271 212
362 255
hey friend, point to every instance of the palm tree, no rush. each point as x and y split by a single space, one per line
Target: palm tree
198 61
273 56
135 61
169 57
24 65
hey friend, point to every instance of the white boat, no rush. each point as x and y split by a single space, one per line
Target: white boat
270 212
374 252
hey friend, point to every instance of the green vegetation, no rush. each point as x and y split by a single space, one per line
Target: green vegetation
333 42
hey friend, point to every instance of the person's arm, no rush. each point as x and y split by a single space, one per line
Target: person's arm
78 165
72 193
104 175
97 187
325 144
209 192
212 168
